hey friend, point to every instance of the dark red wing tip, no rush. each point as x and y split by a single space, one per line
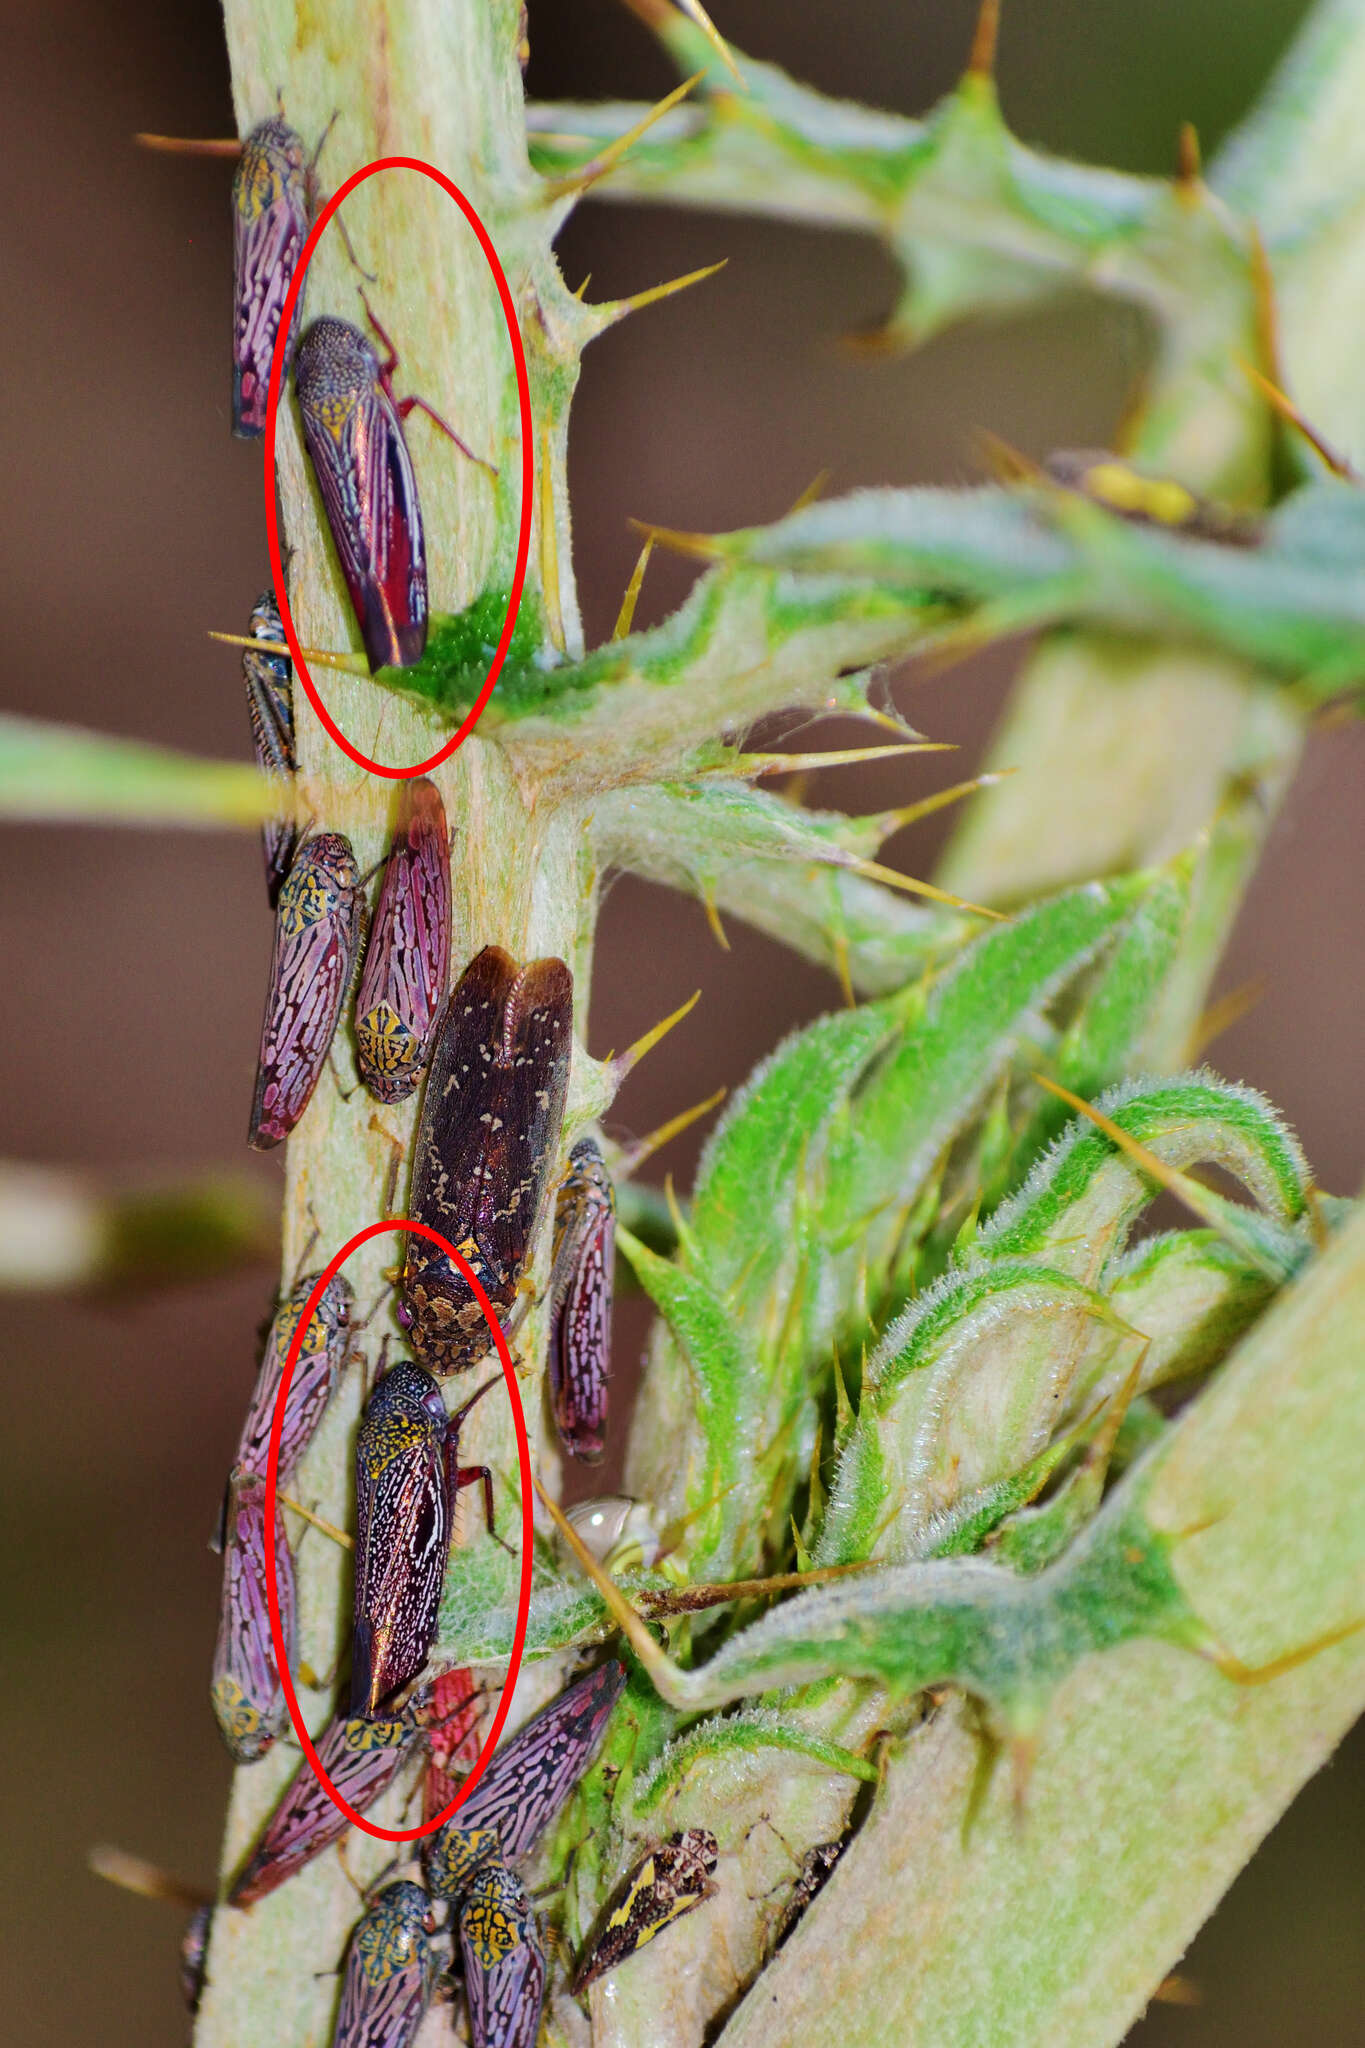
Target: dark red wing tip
412 643
422 810
389 642
378 629
587 1448
547 977
248 405
255 1882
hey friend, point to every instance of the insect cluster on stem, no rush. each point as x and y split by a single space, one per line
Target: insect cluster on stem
493 1055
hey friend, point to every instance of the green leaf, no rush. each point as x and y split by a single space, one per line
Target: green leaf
945 1064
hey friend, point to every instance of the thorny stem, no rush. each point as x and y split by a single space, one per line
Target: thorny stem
439 80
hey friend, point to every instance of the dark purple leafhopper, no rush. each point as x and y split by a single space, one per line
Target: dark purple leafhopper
407 958
362 1759
353 429
318 923
503 1961
407 1475
390 1971
247 1696
322 1356
580 1302
270 705
486 1148
270 208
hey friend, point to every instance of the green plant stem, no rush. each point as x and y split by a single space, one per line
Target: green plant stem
437 79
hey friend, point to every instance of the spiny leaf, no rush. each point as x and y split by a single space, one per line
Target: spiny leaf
976 221
1292 603
804 1204
971 1383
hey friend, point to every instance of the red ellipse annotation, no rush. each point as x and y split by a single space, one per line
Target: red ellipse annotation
272 1474
401 163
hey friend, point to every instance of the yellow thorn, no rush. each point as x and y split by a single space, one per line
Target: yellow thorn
659 1666
747 765
625 618
675 1211
1288 411
561 138
1317 1222
1267 313
839 947
713 919
698 14
190 145
873 871
549 544
985 41
579 294
1261 1674
633 1157
635 1053
606 160
1101 1446
889 721
353 664
690 1598
328 1528
1221 1016
1178 1990
908 814
701 545
1001 459
148 1880
1189 159
618 308
814 489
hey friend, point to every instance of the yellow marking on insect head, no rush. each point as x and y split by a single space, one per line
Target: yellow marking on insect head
234 1710
385 1040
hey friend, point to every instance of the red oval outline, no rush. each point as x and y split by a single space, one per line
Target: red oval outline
272 406
272 1480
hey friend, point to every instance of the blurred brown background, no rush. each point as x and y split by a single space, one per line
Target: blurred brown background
135 962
